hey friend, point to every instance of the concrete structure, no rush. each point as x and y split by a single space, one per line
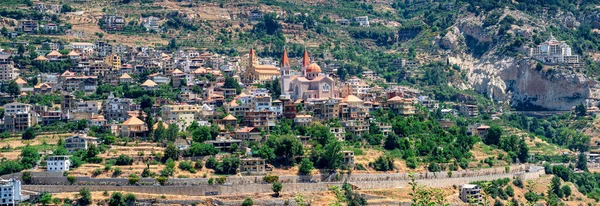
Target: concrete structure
553 51
7 70
248 134
10 192
79 141
58 163
348 158
18 117
252 165
468 110
362 21
470 193
402 106
133 127
302 119
223 144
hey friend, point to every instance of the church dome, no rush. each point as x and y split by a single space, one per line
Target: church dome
313 68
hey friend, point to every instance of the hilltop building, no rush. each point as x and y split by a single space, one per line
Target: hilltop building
313 84
257 73
553 51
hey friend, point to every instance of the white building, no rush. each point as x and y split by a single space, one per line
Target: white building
553 51
80 141
7 70
58 163
470 193
10 192
362 21
84 47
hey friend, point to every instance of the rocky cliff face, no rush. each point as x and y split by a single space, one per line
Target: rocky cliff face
515 79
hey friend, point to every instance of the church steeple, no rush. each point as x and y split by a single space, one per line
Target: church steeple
285 61
285 73
305 59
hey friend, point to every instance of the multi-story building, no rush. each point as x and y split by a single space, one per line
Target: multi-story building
248 134
10 192
470 193
353 107
553 51
18 117
338 132
117 108
402 106
60 163
114 61
151 23
224 145
87 84
324 109
113 22
183 115
83 47
134 127
252 165
362 21
357 126
348 158
264 119
302 119
7 70
79 141
468 110
27 26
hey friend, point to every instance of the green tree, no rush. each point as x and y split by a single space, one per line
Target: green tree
277 186
566 190
581 162
171 152
580 110
29 133
130 199
27 177
172 132
247 202
13 88
29 157
116 199
46 198
554 187
493 136
85 197
160 133
201 134
306 166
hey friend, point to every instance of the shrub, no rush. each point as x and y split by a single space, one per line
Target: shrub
117 172
187 166
211 181
221 180
124 160
27 177
247 202
146 173
199 164
211 163
71 179
97 172
133 179
270 178
162 180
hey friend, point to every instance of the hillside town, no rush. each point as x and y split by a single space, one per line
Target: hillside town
156 102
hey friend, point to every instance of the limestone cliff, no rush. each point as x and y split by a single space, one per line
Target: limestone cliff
514 79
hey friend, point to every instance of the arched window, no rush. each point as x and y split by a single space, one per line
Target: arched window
325 87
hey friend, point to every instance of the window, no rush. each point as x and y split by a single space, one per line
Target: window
325 87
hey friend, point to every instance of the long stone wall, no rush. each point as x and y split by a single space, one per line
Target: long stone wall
187 190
